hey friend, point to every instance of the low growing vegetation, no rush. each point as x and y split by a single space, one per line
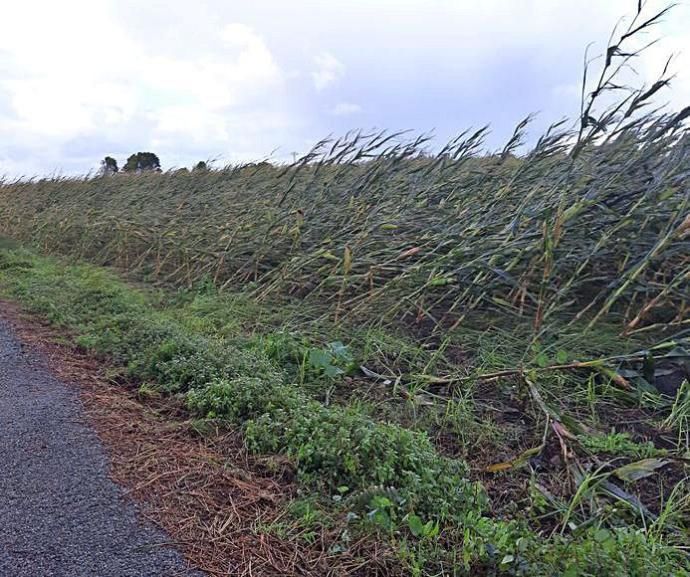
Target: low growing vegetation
387 469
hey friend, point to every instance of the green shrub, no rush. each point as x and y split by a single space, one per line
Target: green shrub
598 552
335 447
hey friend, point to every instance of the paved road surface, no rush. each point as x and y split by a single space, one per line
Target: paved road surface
60 514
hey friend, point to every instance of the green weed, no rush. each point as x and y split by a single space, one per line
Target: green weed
620 444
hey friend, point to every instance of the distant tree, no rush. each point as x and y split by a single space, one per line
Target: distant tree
132 164
142 161
149 161
201 165
109 165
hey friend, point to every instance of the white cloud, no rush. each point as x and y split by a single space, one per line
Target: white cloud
60 73
346 109
241 68
328 70
76 74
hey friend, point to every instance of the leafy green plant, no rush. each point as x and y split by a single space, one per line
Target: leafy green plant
382 513
333 361
418 528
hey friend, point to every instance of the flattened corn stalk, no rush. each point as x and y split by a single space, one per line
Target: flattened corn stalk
591 222
541 235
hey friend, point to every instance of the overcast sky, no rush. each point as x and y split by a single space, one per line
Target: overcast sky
237 80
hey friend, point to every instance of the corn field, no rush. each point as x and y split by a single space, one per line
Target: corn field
372 227
593 222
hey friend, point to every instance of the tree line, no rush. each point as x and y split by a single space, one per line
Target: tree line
139 162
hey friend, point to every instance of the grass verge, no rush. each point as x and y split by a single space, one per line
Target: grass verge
391 482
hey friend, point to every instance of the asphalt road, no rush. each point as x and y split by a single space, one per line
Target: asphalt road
60 514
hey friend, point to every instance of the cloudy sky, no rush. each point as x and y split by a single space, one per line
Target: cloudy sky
238 80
